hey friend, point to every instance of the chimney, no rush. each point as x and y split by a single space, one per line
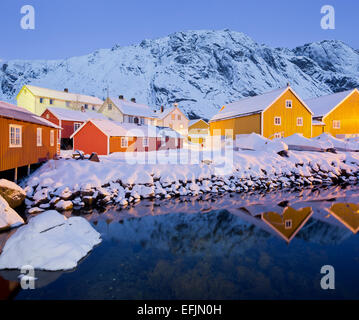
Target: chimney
288 84
175 104
133 100
162 109
66 90
121 97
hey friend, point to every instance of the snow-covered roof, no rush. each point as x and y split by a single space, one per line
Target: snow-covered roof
250 105
75 115
133 108
11 111
192 122
321 106
166 112
317 123
62 95
120 129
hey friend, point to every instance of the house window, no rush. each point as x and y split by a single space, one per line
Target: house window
52 138
173 117
278 135
39 137
179 117
93 108
109 106
67 103
86 106
51 101
288 103
77 125
15 136
47 116
300 122
288 224
130 119
145 142
41 100
277 121
336 124
142 120
124 142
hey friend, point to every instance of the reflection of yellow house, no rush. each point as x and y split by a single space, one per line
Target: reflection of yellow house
347 214
38 99
337 114
279 113
198 131
289 222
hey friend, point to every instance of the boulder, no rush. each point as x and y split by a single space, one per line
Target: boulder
8 216
12 193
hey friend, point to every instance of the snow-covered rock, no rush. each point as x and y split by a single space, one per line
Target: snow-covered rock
8 216
203 69
49 242
12 193
63 205
257 142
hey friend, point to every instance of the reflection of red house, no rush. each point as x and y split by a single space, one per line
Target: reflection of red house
106 136
69 120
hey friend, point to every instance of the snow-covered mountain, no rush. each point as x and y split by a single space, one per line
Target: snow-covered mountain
201 70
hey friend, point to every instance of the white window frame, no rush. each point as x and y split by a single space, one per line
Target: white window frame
289 104
124 142
79 124
14 144
145 142
109 106
39 137
52 138
301 123
280 121
41 100
336 122
290 226
51 101
278 135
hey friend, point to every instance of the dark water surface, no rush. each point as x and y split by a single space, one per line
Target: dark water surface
239 246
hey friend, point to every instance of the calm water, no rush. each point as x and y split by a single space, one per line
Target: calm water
233 247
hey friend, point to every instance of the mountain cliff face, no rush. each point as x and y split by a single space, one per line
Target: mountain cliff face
201 70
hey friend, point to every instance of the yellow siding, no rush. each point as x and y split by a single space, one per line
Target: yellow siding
288 118
241 125
317 130
26 99
113 114
348 114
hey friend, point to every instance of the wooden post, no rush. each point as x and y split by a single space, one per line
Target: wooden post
28 169
15 176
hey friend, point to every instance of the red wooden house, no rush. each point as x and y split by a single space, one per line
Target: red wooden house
69 120
25 138
106 136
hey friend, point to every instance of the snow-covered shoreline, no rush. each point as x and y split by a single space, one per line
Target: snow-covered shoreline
68 184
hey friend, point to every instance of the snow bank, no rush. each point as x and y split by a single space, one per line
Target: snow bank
257 142
49 242
340 145
12 193
300 143
8 216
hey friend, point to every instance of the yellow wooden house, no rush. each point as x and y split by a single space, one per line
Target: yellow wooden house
276 114
347 214
38 99
198 131
337 114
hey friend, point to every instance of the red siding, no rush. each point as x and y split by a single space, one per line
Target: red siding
90 139
50 117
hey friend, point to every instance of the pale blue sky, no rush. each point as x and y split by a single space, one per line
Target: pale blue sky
66 28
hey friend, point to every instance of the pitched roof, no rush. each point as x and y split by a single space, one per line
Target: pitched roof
8 110
62 95
120 129
133 108
248 105
166 112
75 115
252 105
321 106
192 122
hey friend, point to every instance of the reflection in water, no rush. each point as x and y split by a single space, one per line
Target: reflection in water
216 248
289 222
347 214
